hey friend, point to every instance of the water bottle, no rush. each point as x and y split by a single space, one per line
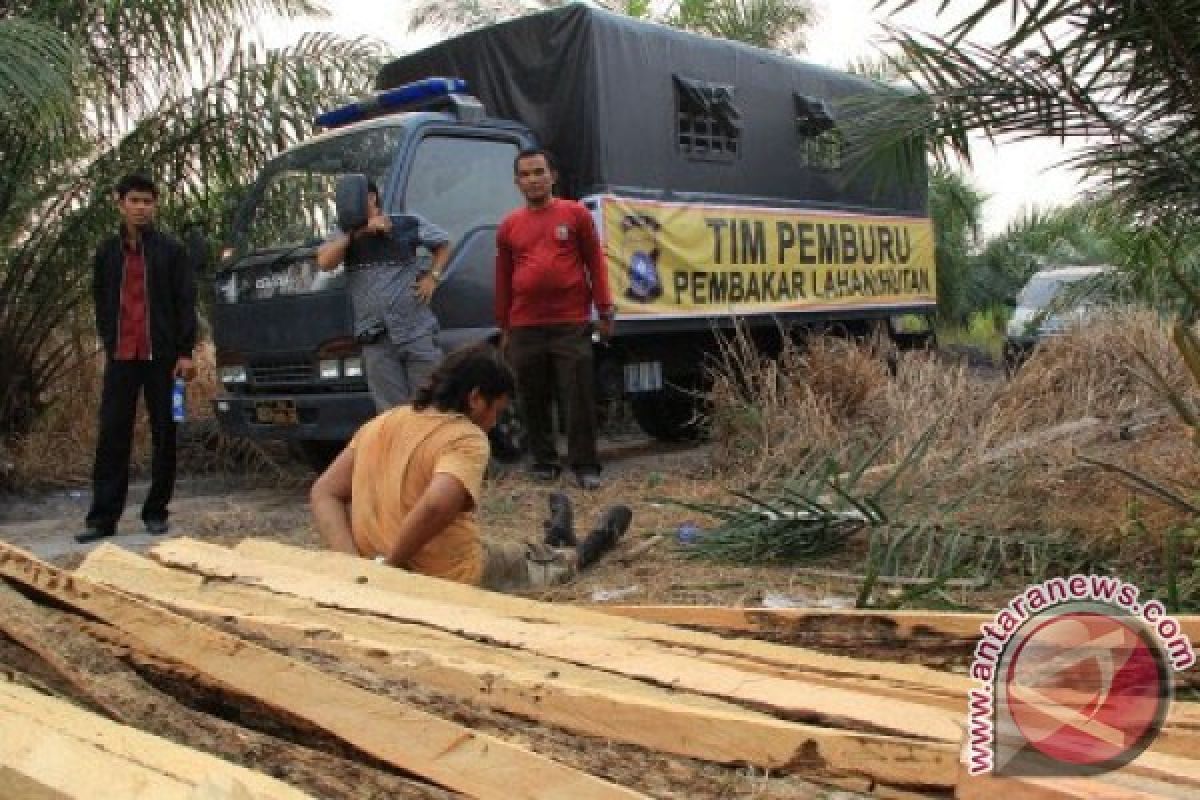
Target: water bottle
177 395
688 533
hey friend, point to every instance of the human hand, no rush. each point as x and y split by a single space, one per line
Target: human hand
378 224
605 328
185 368
424 288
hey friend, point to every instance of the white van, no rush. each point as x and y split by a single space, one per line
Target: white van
1052 301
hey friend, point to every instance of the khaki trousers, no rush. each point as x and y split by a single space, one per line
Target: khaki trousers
509 566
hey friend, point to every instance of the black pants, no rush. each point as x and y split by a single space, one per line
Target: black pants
118 407
556 360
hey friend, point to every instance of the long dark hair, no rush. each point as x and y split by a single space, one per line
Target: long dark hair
477 366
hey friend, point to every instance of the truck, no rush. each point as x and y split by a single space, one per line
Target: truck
718 175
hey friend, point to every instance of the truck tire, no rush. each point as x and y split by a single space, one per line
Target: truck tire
669 415
319 453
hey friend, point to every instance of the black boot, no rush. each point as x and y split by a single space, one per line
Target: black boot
560 528
604 536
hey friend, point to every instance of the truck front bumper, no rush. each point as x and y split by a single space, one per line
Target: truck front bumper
322 417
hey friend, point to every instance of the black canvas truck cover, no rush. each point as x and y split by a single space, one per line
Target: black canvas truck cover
717 167
601 91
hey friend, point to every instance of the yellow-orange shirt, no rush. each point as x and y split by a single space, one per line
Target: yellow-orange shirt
396 456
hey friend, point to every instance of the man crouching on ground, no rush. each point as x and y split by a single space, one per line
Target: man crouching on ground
405 489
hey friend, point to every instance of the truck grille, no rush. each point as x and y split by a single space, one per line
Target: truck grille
282 373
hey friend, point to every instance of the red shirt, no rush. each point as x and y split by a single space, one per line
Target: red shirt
550 267
133 328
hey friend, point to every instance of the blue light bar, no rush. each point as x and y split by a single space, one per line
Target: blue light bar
392 100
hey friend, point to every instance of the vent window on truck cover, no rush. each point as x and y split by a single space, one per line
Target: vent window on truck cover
707 123
819 141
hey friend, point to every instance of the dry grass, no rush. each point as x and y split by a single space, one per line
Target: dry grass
1093 372
59 450
770 414
836 400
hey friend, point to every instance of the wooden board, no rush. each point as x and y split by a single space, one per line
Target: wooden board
797 700
361 571
69 752
864 623
547 690
1180 736
990 787
88 659
445 753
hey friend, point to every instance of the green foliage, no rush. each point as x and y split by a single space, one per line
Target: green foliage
165 87
815 510
956 208
773 24
1116 77
983 330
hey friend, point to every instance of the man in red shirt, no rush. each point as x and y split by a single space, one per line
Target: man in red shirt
145 300
550 272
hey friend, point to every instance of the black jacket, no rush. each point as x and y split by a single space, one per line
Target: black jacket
170 294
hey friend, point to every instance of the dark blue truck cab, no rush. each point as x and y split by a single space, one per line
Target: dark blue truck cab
716 173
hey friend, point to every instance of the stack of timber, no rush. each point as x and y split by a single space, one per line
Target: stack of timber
940 638
448 690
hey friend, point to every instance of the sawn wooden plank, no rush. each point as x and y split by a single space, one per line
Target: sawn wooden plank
60 749
647 660
549 690
443 752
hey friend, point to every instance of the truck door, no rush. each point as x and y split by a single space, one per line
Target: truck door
463 182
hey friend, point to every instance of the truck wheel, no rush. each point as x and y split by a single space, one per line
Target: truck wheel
319 453
669 415
507 438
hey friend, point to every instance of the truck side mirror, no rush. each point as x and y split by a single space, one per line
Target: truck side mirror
350 197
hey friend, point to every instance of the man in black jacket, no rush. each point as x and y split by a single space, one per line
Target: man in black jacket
145 296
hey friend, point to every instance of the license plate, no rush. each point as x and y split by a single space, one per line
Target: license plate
276 412
644 376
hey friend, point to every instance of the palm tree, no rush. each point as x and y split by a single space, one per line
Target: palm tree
1118 77
956 208
773 24
91 89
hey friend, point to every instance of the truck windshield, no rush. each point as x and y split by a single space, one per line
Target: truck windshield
293 201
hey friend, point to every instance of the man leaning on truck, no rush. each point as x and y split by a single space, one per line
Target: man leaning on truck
550 270
392 318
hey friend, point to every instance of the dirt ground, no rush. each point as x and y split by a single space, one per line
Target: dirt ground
1064 496
227 509
1061 495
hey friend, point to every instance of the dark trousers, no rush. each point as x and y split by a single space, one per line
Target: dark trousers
118 407
550 361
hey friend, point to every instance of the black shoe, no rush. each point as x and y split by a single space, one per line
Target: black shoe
545 472
157 527
604 536
94 533
588 479
560 528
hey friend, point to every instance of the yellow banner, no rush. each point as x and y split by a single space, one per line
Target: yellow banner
684 259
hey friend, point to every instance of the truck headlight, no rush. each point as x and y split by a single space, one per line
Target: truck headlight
330 369
353 367
227 288
233 374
